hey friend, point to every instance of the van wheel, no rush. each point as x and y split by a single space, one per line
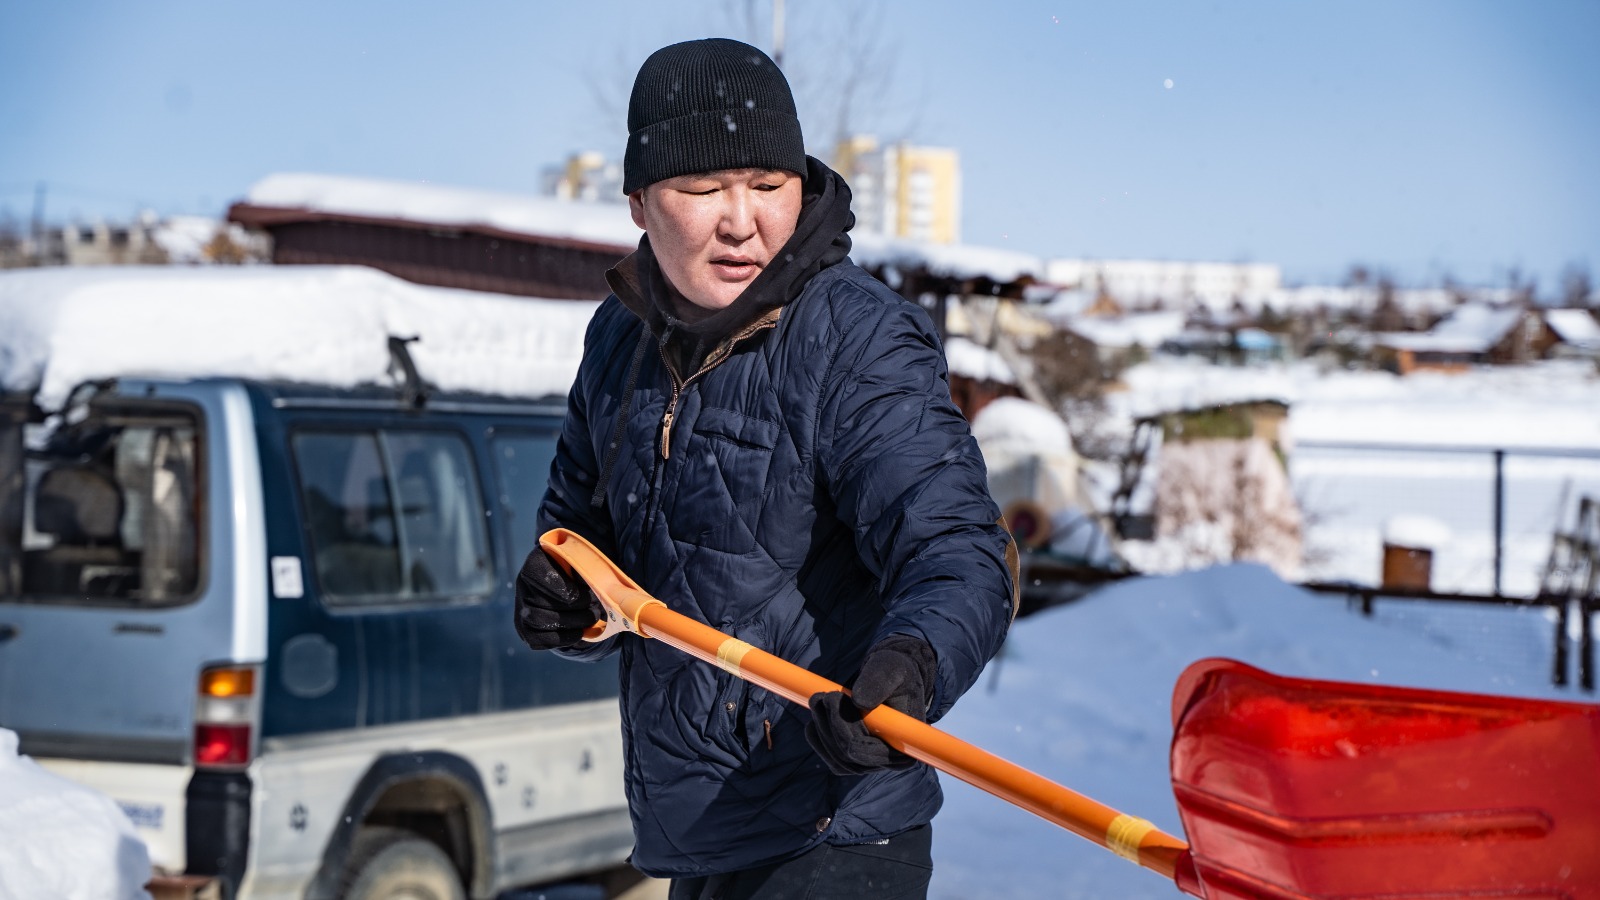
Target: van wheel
395 864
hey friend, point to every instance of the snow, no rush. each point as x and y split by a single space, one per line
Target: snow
598 223
61 840
978 363
1147 330
1470 328
1574 326
185 237
314 324
1415 532
1022 424
953 260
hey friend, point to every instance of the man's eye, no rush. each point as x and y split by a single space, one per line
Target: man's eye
768 187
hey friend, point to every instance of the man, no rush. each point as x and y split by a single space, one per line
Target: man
762 436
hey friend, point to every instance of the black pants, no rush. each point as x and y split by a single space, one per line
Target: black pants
898 869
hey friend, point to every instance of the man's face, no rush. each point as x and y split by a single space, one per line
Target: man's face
713 233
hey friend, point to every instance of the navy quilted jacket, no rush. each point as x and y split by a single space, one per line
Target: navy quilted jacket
811 490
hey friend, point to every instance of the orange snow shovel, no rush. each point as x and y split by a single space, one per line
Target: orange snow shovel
1295 788
1231 720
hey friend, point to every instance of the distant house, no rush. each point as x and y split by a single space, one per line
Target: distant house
450 237
1472 334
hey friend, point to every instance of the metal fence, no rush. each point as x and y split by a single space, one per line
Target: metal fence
1504 511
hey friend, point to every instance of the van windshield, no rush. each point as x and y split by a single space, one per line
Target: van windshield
101 511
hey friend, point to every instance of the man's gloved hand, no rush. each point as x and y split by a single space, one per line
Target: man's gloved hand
899 670
553 608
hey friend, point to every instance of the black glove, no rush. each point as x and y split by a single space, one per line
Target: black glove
553 608
899 670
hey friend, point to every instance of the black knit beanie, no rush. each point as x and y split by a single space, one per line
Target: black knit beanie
701 106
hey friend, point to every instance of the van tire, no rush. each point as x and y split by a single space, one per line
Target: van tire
395 864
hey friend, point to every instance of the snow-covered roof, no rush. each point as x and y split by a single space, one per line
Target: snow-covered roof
432 204
1574 326
322 325
953 260
1469 328
978 363
1146 330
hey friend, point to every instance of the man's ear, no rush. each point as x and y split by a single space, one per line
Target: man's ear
636 206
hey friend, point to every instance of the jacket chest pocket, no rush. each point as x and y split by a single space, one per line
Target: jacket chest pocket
727 470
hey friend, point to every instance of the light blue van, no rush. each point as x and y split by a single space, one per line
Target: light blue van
272 621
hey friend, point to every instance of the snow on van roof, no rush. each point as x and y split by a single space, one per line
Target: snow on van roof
431 204
324 325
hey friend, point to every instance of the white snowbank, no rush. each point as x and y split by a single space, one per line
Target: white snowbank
323 325
63 841
598 223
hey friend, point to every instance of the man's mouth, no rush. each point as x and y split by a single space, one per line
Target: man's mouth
734 267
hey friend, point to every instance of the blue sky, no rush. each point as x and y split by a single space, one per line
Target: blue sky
1426 138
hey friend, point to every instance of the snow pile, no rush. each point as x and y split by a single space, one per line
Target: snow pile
61 840
608 224
315 324
1082 695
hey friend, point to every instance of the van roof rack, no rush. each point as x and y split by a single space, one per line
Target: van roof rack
414 391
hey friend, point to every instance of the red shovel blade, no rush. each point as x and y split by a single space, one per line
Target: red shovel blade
1293 788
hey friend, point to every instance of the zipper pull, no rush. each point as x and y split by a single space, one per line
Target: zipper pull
666 433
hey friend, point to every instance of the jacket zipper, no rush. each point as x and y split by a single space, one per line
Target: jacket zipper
721 353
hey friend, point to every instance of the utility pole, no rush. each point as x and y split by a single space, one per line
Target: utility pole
38 224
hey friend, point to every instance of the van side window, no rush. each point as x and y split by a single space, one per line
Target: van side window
522 468
101 510
393 515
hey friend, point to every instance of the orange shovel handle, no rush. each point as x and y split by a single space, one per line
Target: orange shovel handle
630 607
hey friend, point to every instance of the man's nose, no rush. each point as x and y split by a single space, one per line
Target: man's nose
738 215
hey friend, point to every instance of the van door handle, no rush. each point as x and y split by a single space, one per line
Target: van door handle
7 631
